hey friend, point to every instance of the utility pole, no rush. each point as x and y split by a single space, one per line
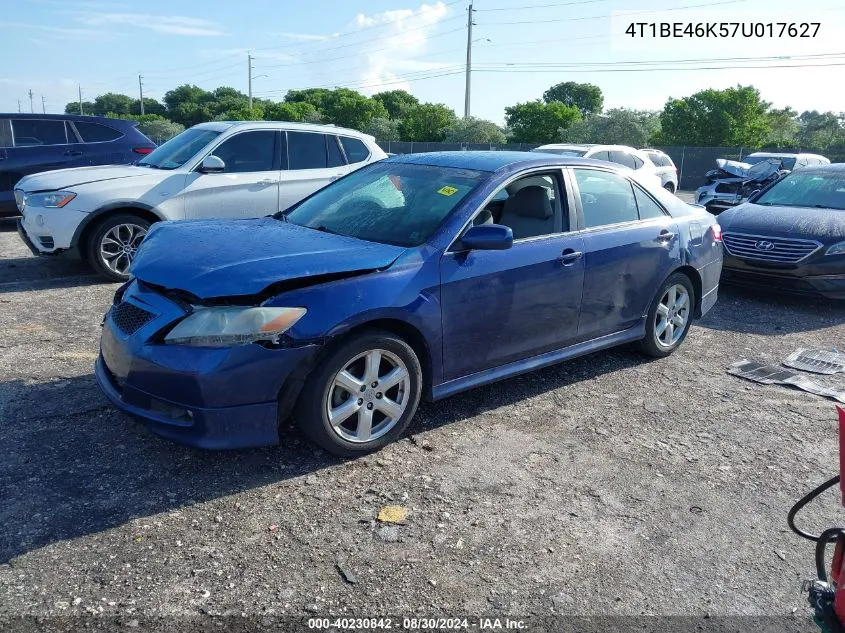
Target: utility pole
43 105
249 68
469 59
19 105
31 107
80 98
141 90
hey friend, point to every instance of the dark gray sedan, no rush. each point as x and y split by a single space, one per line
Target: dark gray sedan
791 236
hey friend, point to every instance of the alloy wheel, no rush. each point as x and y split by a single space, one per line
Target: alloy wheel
119 245
673 313
368 396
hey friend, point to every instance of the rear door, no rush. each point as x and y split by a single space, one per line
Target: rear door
249 185
314 160
38 145
101 144
630 246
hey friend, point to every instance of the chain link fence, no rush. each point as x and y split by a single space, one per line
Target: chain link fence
692 162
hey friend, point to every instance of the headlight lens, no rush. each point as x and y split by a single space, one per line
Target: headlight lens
225 327
52 200
836 249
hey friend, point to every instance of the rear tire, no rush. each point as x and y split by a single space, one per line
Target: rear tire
362 395
669 317
112 245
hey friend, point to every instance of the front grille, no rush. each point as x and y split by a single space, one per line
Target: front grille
46 241
779 250
727 187
129 318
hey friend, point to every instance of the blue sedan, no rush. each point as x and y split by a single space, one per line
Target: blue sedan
416 277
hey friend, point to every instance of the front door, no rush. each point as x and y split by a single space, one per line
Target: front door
630 245
249 185
503 306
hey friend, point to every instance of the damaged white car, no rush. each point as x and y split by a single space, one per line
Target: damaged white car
733 181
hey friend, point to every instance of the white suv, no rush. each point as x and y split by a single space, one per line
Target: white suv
665 168
212 170
619 154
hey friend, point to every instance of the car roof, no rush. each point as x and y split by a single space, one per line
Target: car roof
288 125
566 146
784 155
491 160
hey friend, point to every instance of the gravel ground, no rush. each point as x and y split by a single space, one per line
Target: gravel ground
606 485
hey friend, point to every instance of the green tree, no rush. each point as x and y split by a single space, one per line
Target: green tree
113 102
426 122
348 108
189 105
315 96
383 129
713 118
472 130
820 130
160 130
151 106
784 128
396 102
73 107
618 125
538 122
586 97
287 111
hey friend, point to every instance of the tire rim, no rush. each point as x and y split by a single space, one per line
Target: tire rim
119 245
672 316
366 398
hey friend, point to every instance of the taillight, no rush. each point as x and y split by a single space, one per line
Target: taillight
717 232
142 150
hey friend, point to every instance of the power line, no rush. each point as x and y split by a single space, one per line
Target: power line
641 70
541 6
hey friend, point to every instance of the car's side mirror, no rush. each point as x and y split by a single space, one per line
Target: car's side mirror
211 164
488 237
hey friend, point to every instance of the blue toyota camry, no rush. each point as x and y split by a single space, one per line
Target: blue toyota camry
416 277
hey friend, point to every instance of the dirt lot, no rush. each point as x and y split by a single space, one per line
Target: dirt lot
605 485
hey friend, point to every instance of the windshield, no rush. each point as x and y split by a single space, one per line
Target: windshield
391 203
786 163
562 152
802 189
178 150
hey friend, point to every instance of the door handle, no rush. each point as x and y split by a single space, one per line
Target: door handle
665 236
73 152
267 181
569 257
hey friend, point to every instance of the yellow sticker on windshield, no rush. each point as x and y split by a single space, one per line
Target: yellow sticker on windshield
447 190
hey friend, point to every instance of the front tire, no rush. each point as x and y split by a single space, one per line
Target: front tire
362 396
669 187
113 243
669 317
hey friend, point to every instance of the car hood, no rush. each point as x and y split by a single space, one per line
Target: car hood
799 222
212 259
759 171
67 178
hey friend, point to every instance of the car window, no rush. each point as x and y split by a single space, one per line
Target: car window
606 198
648 208
391 203
96 132
600 156
622 158
810 190
532 207
356 150
248 152
28 132
638 162
307 150
335 158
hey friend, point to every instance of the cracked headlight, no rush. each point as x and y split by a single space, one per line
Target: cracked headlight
52 200
229 326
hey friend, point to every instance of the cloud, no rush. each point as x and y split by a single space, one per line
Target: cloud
58 32
171 25
405 34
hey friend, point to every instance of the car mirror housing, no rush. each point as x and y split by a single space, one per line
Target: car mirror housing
488 237
212 164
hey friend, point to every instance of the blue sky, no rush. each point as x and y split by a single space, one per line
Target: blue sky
50 46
